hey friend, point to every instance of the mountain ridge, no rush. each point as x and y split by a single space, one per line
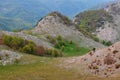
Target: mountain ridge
105 27
29 12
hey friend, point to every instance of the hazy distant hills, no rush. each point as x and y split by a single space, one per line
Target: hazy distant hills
16 14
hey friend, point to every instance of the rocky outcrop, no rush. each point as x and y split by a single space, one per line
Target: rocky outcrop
9 57
101 62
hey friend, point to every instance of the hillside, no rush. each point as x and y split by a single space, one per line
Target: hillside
58 48
54 35
101 62
56 24
104 23
16 14
95 65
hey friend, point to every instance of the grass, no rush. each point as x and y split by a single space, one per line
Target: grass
73 50
35 68
42 68
36 71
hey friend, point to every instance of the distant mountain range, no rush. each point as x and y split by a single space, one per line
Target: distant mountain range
17 14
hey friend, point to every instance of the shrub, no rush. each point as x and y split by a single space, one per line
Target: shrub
39 51
16 43
71 42
95 38
13 42
107 43
51 39
53 53
48 52
56 53
59 37
7 39
62 48
29 48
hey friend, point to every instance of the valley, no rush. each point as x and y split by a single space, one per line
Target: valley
86 47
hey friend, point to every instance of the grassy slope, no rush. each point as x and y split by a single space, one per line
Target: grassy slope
73 50
42 68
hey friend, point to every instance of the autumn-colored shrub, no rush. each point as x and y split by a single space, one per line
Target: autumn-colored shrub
39 51
26 46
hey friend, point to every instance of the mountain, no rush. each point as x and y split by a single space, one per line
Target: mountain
16 14
104 23
56 24
53 27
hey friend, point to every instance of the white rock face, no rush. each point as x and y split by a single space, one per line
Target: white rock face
9 57
107 33
111 30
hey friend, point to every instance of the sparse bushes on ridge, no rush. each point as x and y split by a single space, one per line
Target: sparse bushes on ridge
64 19
28 47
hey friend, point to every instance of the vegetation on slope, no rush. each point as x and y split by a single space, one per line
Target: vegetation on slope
69 48
26 46
89 21
93 19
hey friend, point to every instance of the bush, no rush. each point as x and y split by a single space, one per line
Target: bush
13 42
7 39
62 48
39 51
29 48
95 38
71 42
20 44
51 39
59 37
53 53
107 43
